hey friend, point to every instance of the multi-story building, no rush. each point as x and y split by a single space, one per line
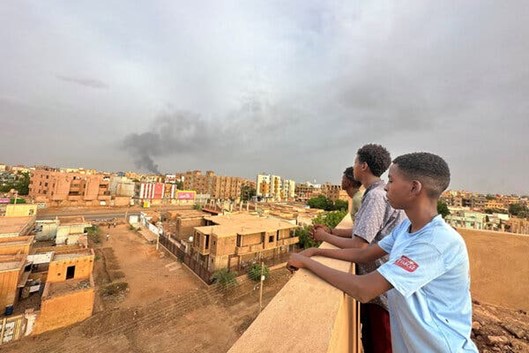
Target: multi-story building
121 186
218 187
306 191
273 188
288 189
333 192
235 240
160 193
518 226
59 188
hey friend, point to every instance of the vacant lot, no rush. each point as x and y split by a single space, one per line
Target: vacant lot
148 302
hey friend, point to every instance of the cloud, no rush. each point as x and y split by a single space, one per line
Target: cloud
83 81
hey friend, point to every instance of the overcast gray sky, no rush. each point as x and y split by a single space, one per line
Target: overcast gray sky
291 88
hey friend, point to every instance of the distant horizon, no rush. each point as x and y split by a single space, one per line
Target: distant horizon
249 178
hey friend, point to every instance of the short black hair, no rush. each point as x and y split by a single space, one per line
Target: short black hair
430 169
377 158
349 174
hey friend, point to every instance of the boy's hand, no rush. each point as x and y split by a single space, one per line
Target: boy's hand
324 227
319 233
295 262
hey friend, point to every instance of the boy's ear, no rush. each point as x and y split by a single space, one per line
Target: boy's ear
416 187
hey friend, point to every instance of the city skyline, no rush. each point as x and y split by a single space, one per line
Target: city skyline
244 87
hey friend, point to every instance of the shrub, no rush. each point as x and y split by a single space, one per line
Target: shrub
224 278
254 272
305 240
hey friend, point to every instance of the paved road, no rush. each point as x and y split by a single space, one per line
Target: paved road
88 215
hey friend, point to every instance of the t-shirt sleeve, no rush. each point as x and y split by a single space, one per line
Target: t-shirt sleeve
415 267
370 218
387 242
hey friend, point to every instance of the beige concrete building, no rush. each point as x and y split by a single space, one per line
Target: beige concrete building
235 240
218 187
69 293
334 192
16 226
11 271
21 210
58 188
306 191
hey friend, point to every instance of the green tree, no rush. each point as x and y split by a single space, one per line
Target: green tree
305 240
254 273
247 192
519 210
330 219
20 184
320 202
341 205
442 209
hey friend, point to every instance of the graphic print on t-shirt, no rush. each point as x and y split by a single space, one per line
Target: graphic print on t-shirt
406 263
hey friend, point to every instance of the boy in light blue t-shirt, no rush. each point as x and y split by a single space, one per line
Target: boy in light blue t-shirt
427 275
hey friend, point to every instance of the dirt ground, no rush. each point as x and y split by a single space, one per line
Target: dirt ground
149 302
497 329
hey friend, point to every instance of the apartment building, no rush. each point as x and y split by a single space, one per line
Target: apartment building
271 187
334 192
233 241
306 191
58 188
218 187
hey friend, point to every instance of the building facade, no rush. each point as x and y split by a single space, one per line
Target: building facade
58 188
236 240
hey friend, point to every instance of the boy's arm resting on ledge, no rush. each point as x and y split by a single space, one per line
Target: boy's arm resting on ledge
368 253
342 232
320 234
363 288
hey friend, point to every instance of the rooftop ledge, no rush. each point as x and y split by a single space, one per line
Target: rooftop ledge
307 315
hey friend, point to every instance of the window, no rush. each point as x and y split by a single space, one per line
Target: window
270 238
207 241
70 272
239 240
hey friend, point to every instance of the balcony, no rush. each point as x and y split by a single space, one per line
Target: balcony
239 250
288 241
307 315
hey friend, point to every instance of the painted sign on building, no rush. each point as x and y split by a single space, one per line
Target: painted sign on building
185 195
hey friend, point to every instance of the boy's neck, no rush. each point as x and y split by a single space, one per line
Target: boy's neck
369 180
421 213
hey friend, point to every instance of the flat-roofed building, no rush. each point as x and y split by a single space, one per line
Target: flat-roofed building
235 240
21 210
16 226
11 271
69 293
16 245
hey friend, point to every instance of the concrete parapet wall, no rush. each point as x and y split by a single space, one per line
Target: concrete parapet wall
307 315
499 267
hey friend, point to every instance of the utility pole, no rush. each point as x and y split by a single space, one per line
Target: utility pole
261 288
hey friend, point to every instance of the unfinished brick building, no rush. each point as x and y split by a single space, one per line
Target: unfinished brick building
235 240
59 188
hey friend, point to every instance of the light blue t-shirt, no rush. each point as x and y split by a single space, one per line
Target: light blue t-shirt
430 306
